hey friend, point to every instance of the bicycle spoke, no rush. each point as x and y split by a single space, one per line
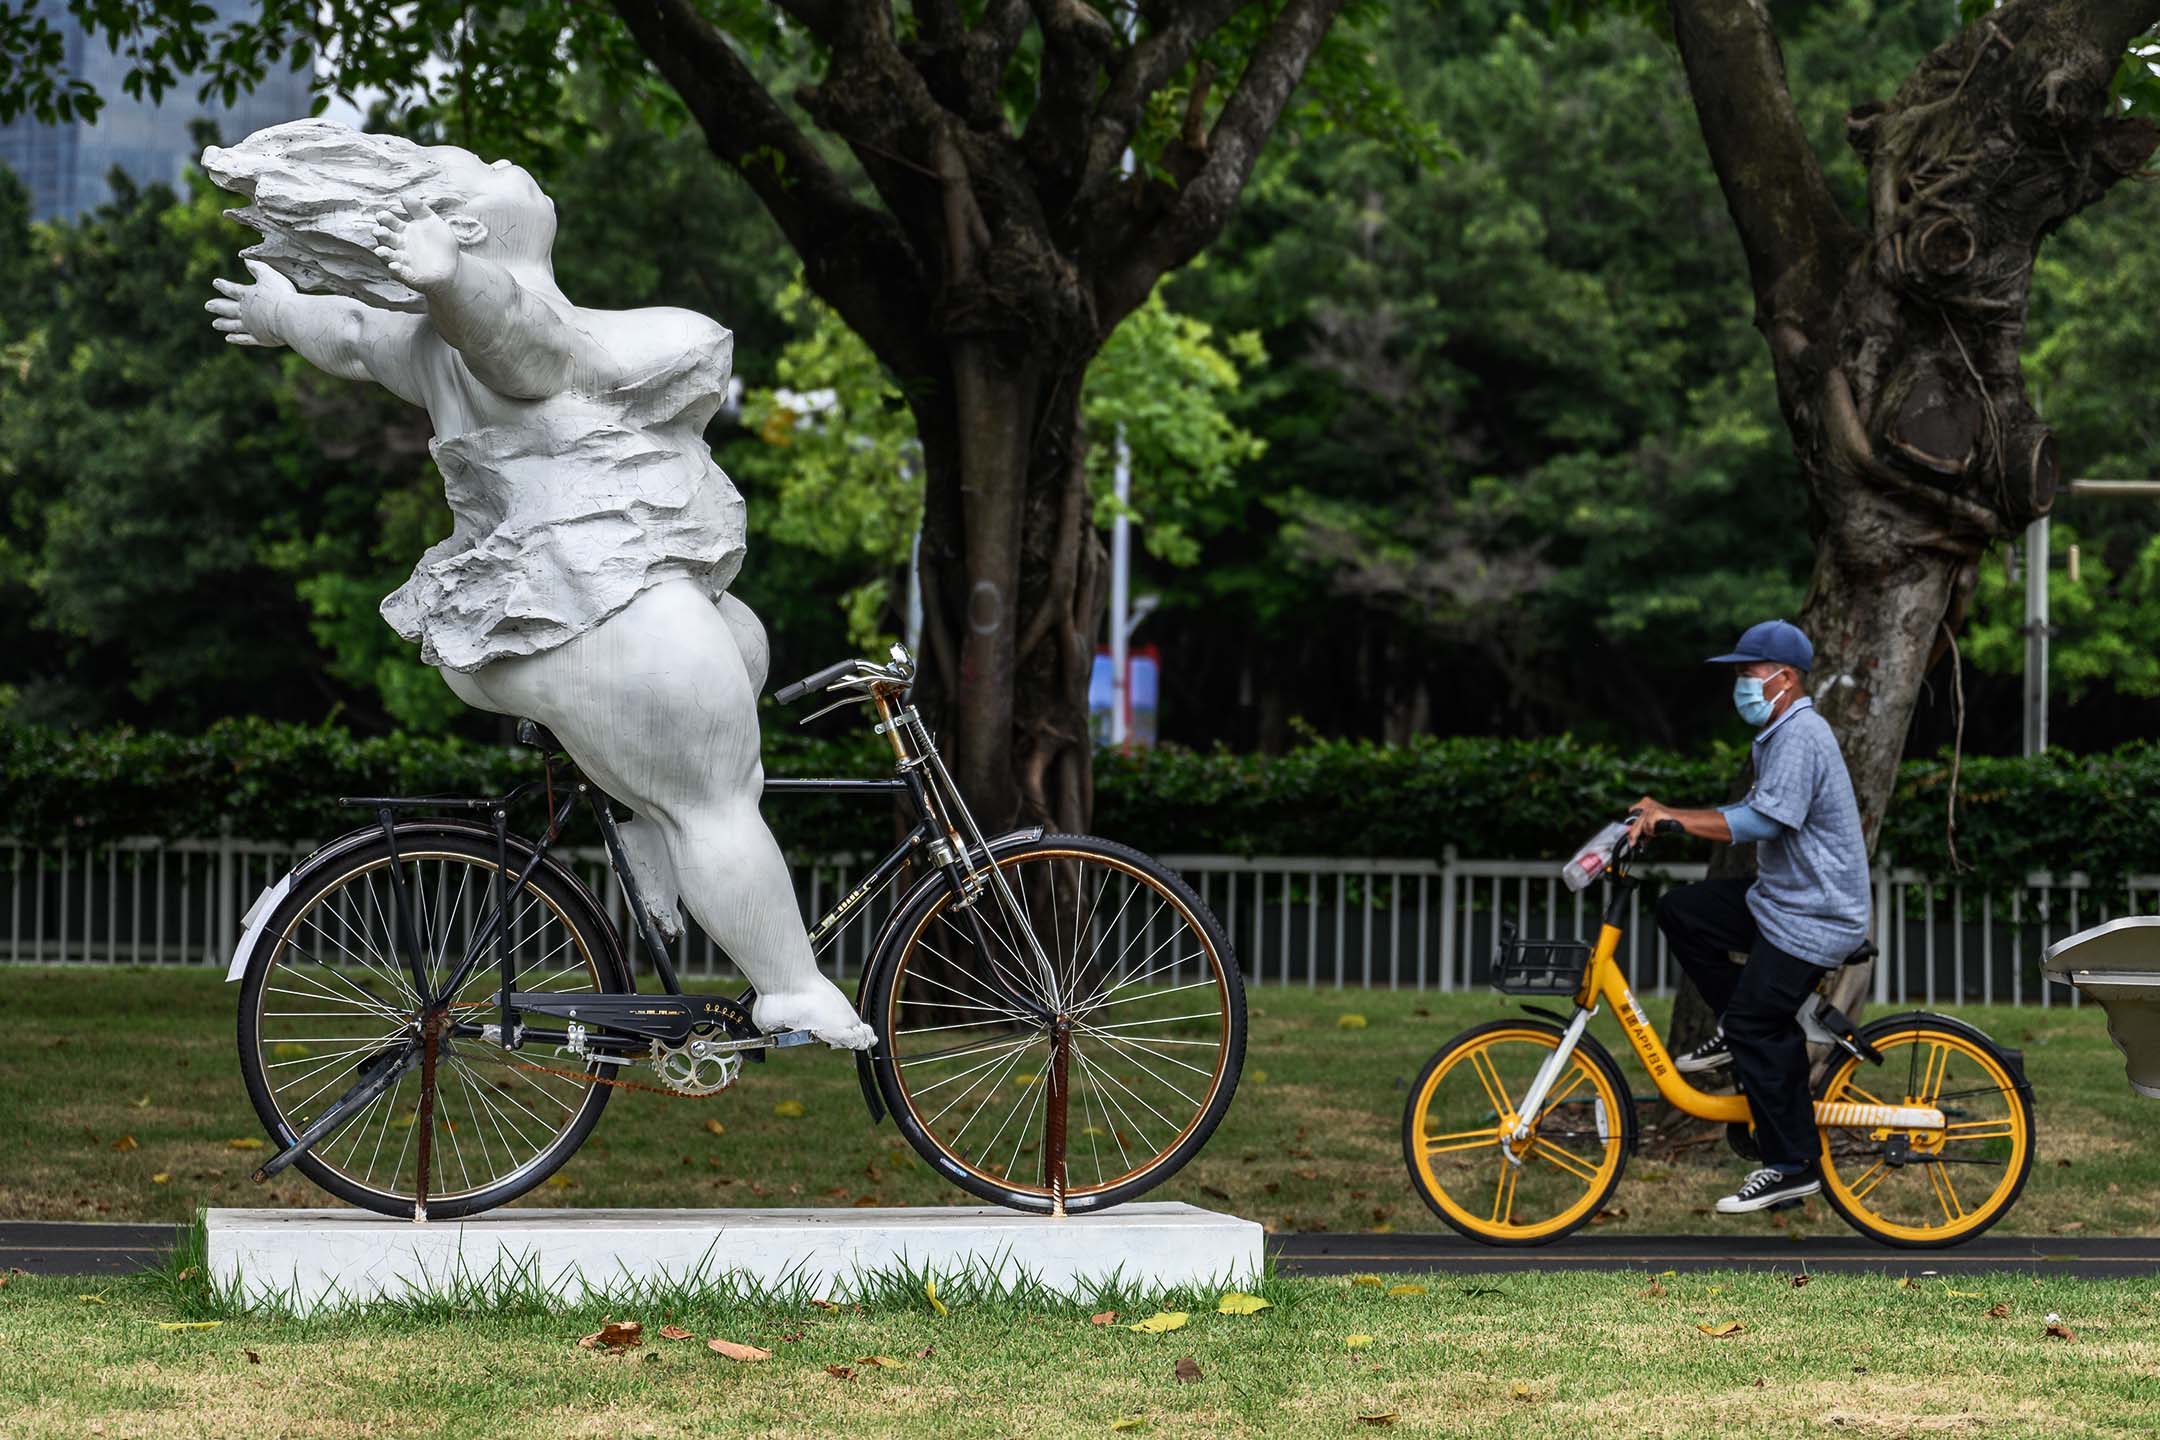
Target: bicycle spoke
1460 1140
1560 1159
1482 1065
1503 1205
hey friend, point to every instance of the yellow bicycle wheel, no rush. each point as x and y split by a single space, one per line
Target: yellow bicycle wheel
1924 1189
1457 1134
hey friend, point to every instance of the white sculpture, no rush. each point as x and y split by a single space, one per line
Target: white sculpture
585 582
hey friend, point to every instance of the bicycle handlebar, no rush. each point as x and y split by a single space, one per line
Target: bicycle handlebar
789 694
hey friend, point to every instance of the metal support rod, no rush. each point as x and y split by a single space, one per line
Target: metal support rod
1054 1105
430 1040
1121 598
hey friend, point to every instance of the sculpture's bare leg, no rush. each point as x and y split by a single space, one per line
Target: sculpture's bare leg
658 706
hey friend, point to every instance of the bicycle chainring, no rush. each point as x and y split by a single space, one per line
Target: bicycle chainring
695 1067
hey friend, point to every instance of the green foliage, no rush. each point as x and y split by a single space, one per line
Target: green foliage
845 464
1488 798
2102 623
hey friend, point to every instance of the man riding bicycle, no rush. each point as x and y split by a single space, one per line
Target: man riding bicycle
1805 911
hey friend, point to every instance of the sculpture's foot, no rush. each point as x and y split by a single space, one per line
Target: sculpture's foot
821 1010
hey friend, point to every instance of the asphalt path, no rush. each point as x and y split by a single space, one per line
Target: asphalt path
51 1247
1452 1254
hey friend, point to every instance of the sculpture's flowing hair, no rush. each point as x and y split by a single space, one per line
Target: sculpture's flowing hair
313 188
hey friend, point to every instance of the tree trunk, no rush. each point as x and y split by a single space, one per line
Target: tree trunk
1896 348
1011 609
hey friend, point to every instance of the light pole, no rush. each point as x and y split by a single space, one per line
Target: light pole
2037 558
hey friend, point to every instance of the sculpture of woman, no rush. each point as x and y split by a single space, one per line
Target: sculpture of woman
585 581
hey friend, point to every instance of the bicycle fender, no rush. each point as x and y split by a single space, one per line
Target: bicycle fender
864 1075
258 914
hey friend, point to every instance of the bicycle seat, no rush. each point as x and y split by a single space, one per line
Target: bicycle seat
1861 956
533 733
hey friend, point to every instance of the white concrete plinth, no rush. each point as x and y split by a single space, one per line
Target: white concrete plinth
313 1258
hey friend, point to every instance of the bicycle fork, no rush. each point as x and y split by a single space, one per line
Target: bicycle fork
1548 1075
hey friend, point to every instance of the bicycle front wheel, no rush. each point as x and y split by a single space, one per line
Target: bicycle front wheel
1925 1189
1458 1134
1089 1008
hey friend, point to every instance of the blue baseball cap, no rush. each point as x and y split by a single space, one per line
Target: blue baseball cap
1777 641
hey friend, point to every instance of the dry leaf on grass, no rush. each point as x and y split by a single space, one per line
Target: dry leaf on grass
1161 1322
1652 1291
245 1142
1373 1280
734 1351
1357 1342
614 1335
789 1110
1406 1290
1520 1391
1377 1417
97 1299
2060 1331
930 1289
1128 1422
126 1142
840 1372
1187 1370
714 1127
1237 1302
141 1102
881 1362
163 1177
826 1304
1350 1022
675 1332
1102 1317
253 1358
2000 1310
1800 1280
1964 1294
189 1324
1719 1332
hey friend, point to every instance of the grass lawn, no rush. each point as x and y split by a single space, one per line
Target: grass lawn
1563 1355
119 1095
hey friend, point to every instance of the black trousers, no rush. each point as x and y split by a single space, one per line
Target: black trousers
1756 1002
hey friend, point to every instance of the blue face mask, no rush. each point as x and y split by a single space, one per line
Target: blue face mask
1748 699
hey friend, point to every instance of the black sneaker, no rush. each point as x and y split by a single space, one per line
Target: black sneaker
1709 1055
1766 1189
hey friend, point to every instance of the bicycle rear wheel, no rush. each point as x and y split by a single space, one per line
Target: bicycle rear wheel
1103 946
1926 1189
328 993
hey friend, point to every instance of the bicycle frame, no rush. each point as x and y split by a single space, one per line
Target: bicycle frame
1603 983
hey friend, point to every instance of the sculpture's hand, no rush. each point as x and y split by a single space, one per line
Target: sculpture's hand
247 314
417 244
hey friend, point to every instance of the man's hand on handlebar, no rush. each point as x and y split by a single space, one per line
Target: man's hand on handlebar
1647 817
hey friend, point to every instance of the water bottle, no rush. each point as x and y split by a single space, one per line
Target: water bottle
1590 861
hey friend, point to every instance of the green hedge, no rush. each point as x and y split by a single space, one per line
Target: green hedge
1489 798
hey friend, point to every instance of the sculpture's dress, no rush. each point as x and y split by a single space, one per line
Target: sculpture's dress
573 507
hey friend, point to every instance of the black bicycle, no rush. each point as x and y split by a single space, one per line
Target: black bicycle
436 1010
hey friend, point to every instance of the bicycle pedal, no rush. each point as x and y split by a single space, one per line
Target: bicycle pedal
786 1039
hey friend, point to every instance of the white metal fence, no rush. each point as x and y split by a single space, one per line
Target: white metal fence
1403 924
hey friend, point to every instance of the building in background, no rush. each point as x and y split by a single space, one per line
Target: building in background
65 165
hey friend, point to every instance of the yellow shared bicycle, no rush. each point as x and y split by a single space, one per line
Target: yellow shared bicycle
1517 1131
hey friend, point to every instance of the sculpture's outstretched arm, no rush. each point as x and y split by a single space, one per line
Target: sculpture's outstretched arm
339 336
511 339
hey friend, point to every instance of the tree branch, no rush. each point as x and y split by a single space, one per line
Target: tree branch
1196 216
1077 44
1789 224
2113 24
1148 66
854 255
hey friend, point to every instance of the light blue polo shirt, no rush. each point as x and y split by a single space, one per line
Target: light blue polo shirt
1811 894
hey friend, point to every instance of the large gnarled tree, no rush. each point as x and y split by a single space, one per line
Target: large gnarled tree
1896 338
967 210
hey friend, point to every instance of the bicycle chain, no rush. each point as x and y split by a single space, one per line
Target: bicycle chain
591 1079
